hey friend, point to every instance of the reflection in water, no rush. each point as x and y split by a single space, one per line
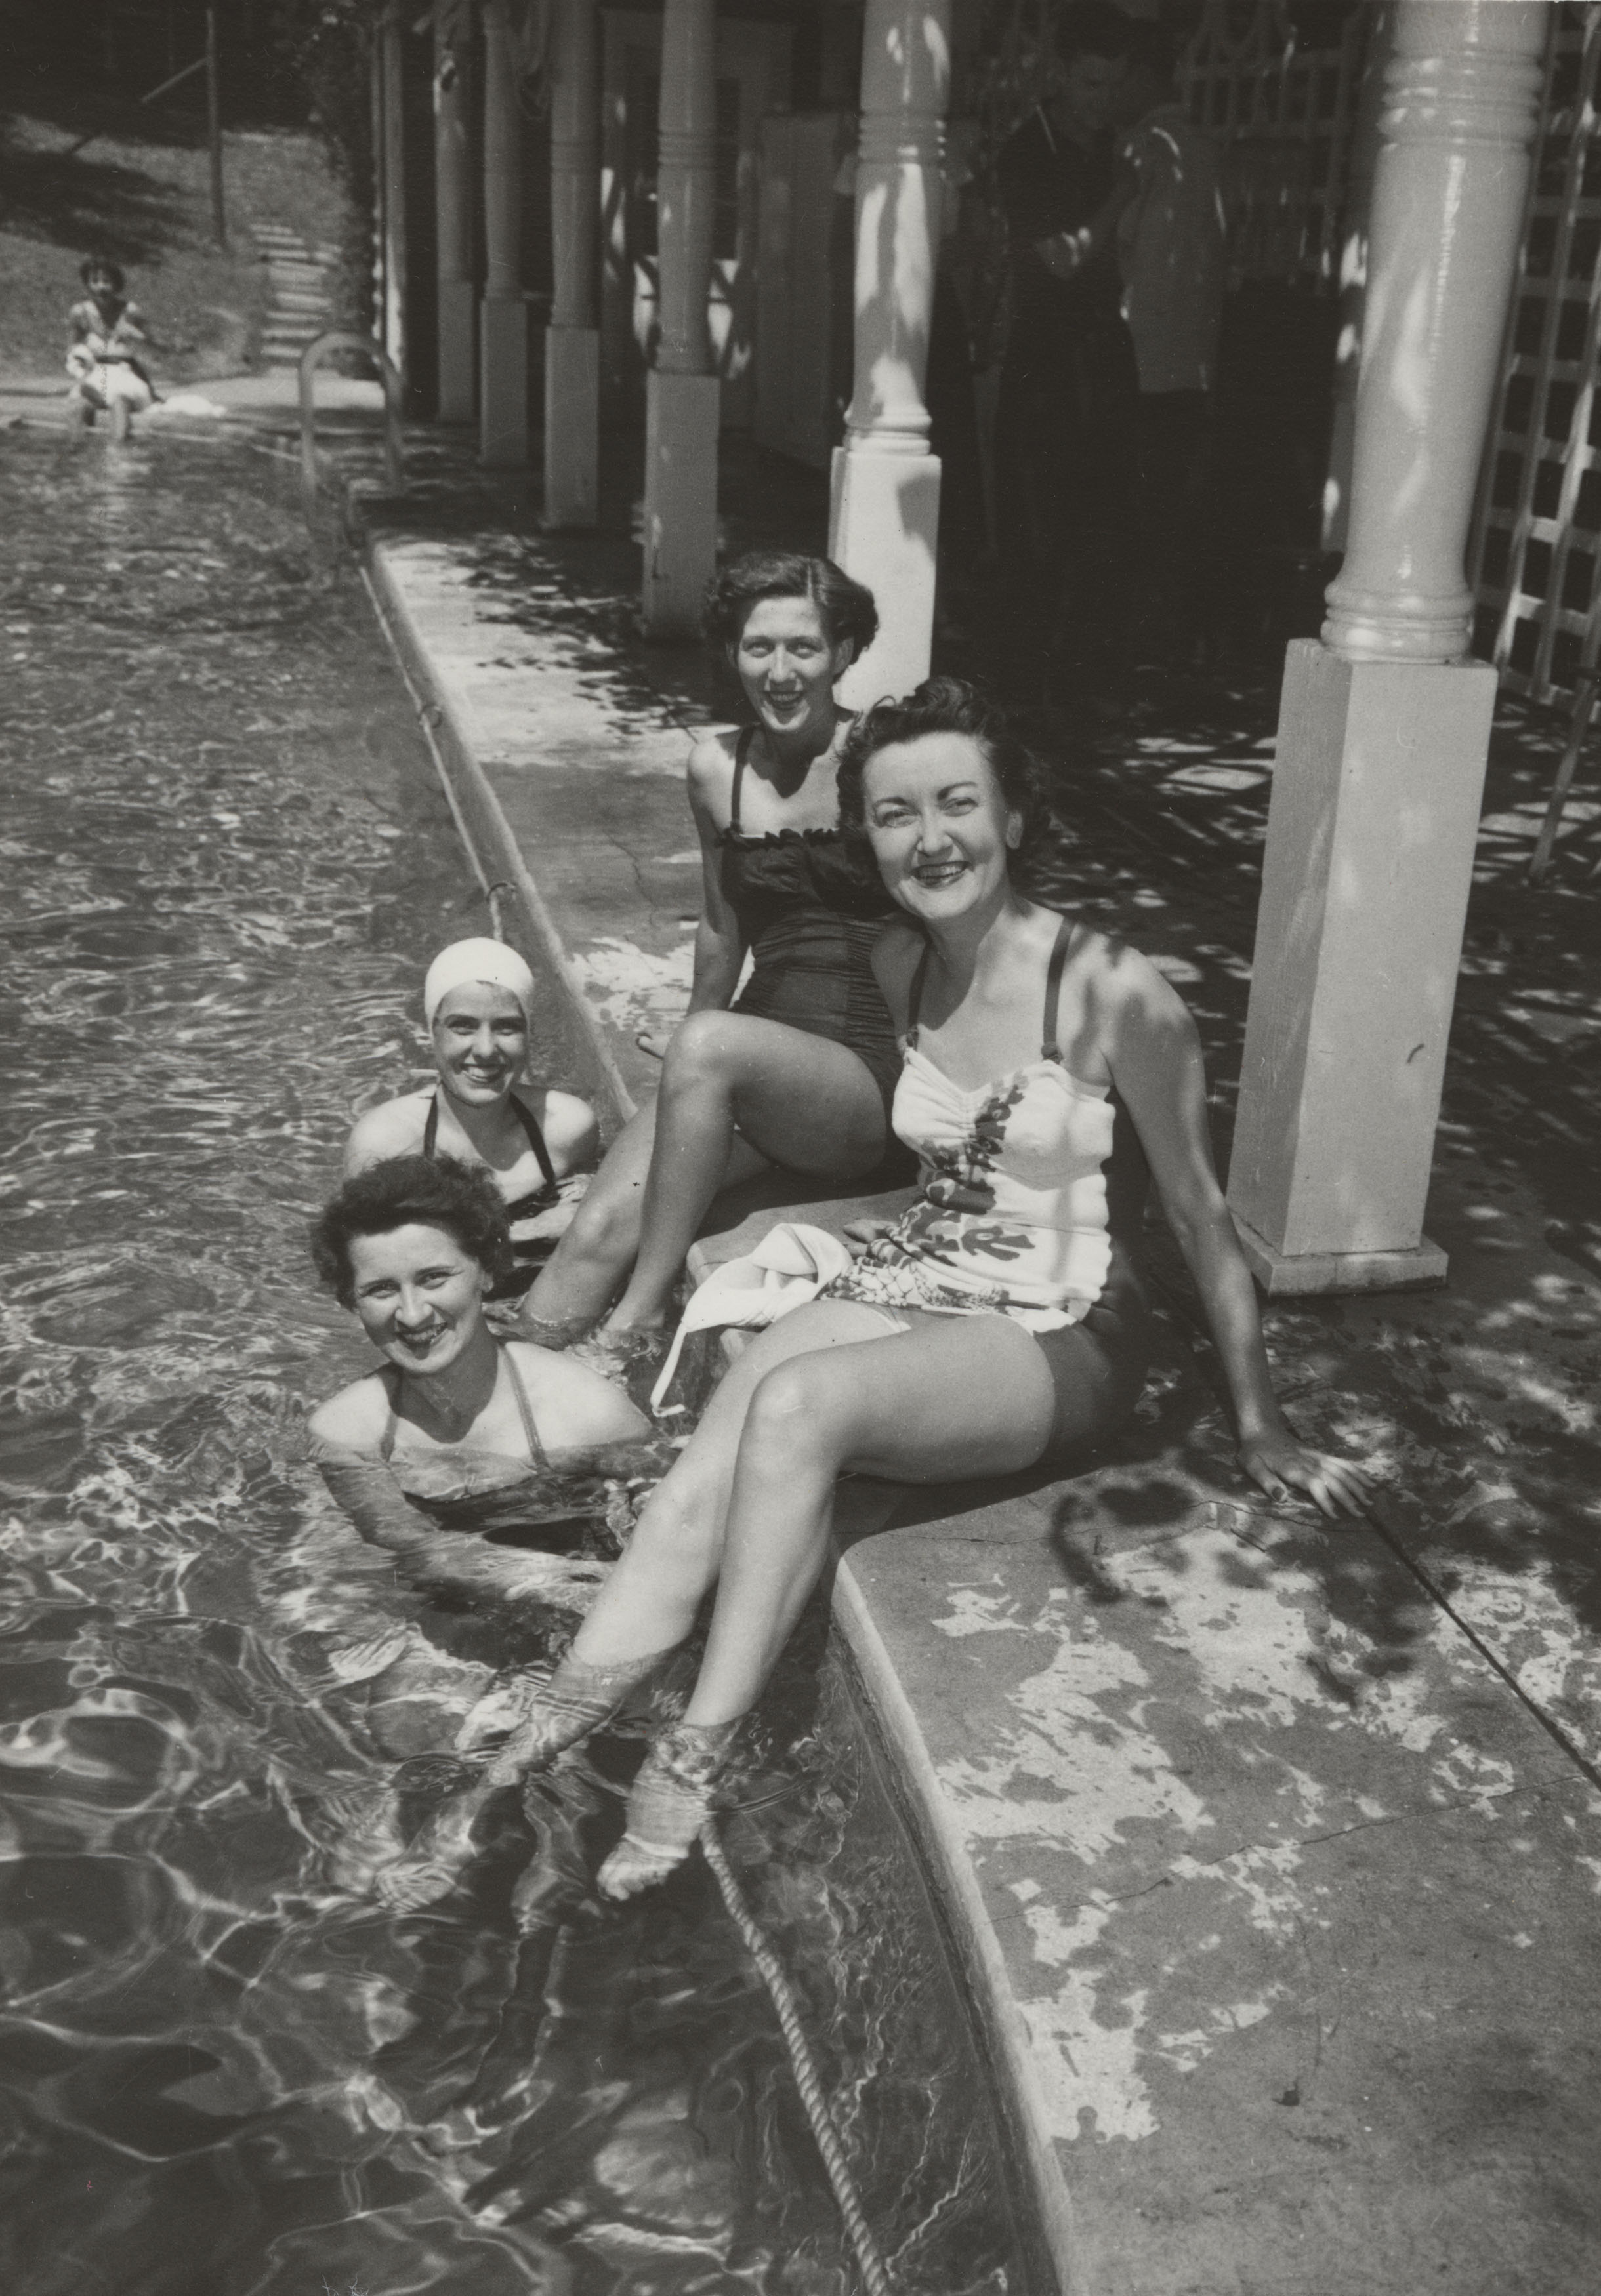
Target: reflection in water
222 2072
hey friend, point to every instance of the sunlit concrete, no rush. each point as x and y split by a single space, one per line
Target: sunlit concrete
884 506
573 339
503 403
453 162
683 393
1384 728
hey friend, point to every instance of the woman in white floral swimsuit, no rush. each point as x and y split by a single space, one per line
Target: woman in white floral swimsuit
998 1326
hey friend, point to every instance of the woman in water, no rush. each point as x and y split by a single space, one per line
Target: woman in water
460 1436
800 1070
478 1000
998 1326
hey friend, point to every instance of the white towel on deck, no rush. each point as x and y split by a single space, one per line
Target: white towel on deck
791 1264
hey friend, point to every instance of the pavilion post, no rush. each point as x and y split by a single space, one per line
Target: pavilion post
884 491
1384 725
393 190
573 339
683 393
453 142
503 348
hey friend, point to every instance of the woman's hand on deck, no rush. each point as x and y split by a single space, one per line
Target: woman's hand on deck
861 1234
1279 1464
652 1041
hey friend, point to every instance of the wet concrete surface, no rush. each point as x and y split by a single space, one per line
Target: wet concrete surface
1288 1840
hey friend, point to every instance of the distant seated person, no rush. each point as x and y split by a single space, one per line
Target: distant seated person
106 370
478 1000
460 1438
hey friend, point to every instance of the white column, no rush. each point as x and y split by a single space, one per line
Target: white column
683 394
452 210
573 339
502 370
1384 727
884 508
391 96
1354 224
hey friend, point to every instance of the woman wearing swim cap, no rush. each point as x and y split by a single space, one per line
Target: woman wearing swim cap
478 1000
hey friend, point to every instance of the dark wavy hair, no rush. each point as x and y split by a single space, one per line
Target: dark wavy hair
402 1191
950 705
93 263
845 608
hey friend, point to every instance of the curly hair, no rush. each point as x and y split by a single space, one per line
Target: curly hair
845 608
406 1191
950 705
94 263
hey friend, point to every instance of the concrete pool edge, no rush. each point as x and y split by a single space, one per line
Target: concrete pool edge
1034 2172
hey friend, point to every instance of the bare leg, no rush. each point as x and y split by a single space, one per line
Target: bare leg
587 1269
800 1100
953 1397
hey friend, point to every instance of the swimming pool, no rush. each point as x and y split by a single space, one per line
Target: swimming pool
220 2074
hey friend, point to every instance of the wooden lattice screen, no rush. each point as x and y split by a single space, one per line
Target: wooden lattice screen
1536 552
1285 114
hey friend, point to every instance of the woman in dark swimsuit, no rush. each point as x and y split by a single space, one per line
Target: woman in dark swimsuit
478 1000
800 1070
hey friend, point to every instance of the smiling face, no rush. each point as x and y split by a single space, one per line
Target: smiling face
419 1295
788 668
941 831
479 1043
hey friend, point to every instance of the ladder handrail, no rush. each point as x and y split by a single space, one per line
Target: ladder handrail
343 338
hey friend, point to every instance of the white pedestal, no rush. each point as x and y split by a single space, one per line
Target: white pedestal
683 417
458 350
571 427
503 417
884 525
1370 845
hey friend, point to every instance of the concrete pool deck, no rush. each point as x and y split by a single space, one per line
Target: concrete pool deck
1273 1852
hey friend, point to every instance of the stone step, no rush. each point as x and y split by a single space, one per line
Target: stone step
293 304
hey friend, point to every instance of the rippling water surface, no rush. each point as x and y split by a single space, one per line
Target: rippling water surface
223 856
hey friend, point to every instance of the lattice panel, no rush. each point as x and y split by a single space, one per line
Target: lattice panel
1285 114
1536 551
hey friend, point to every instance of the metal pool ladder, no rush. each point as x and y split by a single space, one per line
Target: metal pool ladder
342 338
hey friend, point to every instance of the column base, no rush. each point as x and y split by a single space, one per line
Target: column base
683 418
458 350
1284 1274
571 428
503 406
884 527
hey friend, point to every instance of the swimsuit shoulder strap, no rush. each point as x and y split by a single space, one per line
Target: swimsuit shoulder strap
742 750
535 1140
913 1003
1050 1048
391 1391
431 1129
536 1449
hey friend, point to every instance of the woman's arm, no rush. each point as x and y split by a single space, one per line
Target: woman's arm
363 1488
1066 252
719 945
1154 1055
571 1130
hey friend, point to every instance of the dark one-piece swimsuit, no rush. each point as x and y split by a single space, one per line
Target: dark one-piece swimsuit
810 905
529 1254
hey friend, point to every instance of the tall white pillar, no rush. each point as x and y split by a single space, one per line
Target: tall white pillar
392 195
452 210
503 358
1356 223
1384 725
683 394
573 339
885 507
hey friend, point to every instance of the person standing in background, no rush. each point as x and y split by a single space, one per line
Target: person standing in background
1068 382
1172 251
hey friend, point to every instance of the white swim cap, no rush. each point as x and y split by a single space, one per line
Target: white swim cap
488 961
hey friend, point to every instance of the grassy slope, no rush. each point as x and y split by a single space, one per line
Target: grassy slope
142 192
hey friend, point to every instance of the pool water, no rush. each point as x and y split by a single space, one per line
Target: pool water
222 2073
